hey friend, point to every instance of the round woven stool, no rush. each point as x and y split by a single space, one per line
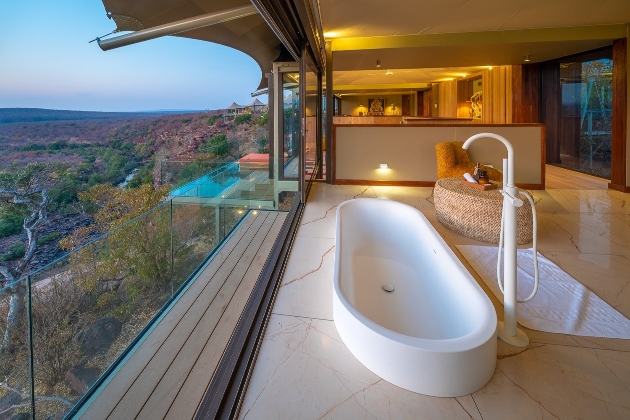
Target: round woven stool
477 214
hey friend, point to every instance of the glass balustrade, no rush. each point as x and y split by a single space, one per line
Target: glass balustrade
67 324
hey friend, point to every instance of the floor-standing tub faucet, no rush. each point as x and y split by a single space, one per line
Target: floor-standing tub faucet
507 329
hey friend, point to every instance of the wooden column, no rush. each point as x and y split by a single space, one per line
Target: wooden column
330 107
619 116
406 105
526 83
427 103
550 109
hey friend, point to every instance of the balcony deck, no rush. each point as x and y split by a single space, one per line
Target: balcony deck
168 373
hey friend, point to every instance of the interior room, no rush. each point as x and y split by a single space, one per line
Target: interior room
441 228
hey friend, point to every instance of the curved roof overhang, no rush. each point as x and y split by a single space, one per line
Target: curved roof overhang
250 35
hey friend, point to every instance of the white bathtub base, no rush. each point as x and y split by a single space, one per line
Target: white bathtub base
435 334
437 374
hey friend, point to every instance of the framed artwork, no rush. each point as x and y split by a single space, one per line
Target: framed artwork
376 106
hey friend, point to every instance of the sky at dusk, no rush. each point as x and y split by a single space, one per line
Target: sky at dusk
47 62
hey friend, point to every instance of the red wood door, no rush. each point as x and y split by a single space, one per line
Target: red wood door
406 105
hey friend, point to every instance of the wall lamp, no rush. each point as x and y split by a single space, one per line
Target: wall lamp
384 166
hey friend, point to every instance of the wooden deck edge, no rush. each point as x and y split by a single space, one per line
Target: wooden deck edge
227 388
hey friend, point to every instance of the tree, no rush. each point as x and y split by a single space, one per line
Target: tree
218 145
24 191
136 252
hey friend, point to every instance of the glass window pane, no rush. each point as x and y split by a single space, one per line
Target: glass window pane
586 116
291 126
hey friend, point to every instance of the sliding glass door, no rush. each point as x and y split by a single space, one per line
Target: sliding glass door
581 137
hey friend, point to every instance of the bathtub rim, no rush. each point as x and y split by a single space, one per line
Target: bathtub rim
484 329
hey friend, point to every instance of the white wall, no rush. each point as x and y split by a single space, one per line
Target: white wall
410 151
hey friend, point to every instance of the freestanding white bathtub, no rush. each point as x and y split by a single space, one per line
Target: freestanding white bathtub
435 333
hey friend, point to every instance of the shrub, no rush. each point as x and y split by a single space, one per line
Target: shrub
214 119
242 119
264 119
217 144
263 145
16 250
47 238
10 225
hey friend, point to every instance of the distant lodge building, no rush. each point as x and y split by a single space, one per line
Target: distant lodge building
236 109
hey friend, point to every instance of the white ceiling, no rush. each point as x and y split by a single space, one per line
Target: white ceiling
406 17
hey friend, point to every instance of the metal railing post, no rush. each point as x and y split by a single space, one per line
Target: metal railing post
172 256
31 346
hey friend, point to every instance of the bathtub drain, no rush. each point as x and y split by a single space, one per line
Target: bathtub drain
388 288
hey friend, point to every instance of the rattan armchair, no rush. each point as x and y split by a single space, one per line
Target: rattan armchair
453 162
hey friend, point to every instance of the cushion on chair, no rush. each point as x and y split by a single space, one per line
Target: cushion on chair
453 162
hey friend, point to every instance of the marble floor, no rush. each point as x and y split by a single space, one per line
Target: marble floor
304 371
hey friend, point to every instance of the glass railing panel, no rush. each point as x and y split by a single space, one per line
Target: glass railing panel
229 217
89 306
15 377
63 307
221 175
194 237
178 173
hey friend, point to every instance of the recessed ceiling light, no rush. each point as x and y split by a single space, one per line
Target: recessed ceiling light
389 73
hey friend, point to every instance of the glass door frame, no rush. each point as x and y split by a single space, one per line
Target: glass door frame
308 64
281 182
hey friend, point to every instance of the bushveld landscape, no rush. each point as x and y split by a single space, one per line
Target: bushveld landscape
68 177
104 148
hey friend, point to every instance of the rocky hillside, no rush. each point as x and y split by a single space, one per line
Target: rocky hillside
106 150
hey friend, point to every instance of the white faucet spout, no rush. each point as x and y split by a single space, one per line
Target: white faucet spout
509 177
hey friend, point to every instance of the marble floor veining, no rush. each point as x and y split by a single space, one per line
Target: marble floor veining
304 371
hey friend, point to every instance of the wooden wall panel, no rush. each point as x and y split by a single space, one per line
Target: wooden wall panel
406 105
447 105
550 109
508 95
497 95
427 103
435 99
526 84
619 115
